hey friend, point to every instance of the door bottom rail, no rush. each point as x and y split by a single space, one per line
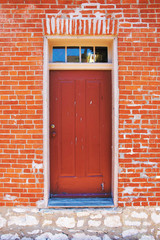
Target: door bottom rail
80 195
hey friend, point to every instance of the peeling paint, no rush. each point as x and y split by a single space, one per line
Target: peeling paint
37 165
9 197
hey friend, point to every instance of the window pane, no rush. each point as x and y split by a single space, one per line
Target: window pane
58 54
72 54
101 54
87 54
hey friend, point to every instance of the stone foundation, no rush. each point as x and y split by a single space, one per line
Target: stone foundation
141 223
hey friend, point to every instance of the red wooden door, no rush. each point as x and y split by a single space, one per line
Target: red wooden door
80 147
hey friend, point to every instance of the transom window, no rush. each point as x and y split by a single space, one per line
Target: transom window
74 54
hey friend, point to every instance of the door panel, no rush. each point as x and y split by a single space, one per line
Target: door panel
80 153
67 127
93 91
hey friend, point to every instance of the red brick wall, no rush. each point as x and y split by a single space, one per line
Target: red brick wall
21 85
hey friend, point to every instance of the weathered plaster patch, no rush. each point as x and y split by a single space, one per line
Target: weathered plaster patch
40 203
36 165
128 190
9 197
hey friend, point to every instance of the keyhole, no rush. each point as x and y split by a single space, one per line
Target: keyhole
102 186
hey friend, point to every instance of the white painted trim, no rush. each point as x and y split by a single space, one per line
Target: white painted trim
80 66
46 122
115 110
109 37
115 121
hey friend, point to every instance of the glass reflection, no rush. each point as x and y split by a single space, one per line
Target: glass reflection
72 54
58 54
101 54
87 54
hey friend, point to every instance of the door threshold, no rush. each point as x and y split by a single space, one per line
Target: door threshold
80 202
80 195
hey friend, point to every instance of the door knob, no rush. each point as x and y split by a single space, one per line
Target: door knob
53 126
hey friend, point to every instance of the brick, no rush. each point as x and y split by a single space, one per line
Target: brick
21 84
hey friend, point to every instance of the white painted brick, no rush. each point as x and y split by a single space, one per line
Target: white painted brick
10 237
80 223
50 236
65 222
47 222
106 237
34 232
2 222
155 218
94 216
139 215
132 223
129 232
82 236
93 223
145 237
146 223
19 209
112 221
27 238
82 214
25 220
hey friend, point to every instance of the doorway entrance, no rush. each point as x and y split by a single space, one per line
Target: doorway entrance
80 132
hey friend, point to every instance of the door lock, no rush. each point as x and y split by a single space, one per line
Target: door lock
102 186
53 134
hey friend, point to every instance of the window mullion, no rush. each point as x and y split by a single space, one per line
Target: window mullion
65 54
80 54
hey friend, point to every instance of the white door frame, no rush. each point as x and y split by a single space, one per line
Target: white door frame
115 105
